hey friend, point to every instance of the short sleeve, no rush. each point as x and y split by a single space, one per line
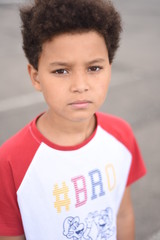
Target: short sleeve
10 219
122 131
137 169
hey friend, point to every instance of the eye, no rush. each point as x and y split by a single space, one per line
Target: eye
60 71
94 69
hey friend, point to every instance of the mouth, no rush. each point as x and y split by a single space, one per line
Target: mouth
80 232
80 104
102 225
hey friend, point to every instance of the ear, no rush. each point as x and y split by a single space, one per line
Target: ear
33 73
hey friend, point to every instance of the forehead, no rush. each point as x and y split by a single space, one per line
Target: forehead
75 44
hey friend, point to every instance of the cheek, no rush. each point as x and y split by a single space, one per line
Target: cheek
102 92
55 96
103 89
103 81
50 88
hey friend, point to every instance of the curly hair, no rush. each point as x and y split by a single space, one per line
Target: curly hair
45 19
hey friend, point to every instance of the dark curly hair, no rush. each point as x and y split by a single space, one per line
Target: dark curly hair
45 19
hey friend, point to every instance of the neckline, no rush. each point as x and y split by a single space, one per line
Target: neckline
41 139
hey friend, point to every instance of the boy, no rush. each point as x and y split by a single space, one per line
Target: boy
67 174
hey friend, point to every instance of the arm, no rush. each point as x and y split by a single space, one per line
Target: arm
13 238
125 219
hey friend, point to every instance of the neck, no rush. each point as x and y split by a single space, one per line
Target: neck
65 133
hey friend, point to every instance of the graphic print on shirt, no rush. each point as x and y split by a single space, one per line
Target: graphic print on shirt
61 192
58 192
101 223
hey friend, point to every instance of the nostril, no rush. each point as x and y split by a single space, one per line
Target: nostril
81 90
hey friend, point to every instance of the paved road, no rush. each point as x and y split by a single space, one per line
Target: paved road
133 95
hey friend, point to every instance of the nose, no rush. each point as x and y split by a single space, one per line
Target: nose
79 83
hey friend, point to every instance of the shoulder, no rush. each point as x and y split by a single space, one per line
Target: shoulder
23 141
18 142
117 127
16 139
108 121
17 153
122 131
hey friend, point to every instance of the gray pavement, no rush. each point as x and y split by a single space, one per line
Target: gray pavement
133 95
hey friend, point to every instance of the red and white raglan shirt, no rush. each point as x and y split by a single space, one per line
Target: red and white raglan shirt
53 192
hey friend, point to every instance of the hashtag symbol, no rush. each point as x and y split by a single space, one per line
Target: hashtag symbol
59 193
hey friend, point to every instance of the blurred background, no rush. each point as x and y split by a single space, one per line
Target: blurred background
134 94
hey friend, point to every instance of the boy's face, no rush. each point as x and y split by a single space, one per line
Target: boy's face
73 75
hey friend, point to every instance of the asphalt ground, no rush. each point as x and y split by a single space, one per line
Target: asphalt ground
134 94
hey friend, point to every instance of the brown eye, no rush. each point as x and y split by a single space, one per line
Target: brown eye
60 71
94 69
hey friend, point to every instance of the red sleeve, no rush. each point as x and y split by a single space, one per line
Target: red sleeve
15 157
123 133
138 168
10 219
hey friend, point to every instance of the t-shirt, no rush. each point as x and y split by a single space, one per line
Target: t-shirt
51 192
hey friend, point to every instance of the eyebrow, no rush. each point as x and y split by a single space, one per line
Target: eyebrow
97 60
58 63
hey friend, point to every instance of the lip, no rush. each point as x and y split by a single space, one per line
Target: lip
80 104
